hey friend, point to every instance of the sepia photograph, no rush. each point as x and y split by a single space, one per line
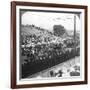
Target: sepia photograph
49 45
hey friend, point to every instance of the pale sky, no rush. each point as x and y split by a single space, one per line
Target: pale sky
47 20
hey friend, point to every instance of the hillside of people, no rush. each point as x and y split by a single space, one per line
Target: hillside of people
42 49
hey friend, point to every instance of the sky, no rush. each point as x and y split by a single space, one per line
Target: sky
47 20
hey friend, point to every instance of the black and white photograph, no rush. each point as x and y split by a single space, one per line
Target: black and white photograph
49 42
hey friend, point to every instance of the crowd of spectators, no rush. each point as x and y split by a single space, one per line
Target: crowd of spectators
41 55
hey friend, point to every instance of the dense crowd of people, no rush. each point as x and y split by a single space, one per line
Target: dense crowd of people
41 55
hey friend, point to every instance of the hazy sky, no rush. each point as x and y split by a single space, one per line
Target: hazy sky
47 20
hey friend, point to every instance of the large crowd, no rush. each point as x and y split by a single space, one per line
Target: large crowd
41 55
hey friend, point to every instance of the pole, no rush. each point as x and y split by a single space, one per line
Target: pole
74 27
74 35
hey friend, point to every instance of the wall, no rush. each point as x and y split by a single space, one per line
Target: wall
5 44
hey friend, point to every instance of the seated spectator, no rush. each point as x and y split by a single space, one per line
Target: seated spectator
52 74
60 73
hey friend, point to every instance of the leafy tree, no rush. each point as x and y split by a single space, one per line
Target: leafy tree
59 30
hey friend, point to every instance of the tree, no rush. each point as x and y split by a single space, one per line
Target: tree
59 30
